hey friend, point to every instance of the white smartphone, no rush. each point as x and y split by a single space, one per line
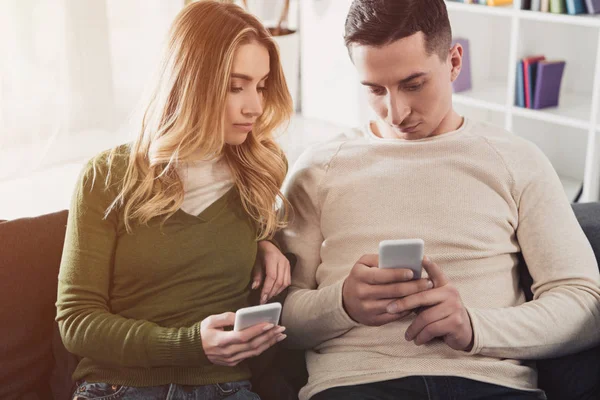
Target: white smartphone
250 316
403 253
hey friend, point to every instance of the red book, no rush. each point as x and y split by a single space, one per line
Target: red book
527 61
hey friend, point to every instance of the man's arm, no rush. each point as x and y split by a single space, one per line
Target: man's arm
311 314
564 315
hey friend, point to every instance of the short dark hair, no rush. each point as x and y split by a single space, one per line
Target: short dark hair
380 22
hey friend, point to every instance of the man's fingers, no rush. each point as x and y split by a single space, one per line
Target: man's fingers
422 299
427 317
435 273
437 329
376 276
402 289
387 318
369 260
376 307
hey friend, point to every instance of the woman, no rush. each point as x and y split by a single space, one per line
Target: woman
163 233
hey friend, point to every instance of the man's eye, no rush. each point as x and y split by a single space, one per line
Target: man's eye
414 88
377 90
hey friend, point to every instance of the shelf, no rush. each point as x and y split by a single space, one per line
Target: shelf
509 11
571 186
579 20
489 97
503 11
573 111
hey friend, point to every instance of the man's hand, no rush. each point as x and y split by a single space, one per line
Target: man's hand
368 291
444 315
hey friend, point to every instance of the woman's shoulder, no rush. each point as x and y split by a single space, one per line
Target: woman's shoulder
115 158
111 162
106 169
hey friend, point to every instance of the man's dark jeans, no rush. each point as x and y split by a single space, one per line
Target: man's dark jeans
427 388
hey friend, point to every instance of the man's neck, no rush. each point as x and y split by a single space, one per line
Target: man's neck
450 123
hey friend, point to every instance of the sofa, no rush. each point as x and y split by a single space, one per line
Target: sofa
34 365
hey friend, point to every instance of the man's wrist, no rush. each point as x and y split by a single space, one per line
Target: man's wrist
344 307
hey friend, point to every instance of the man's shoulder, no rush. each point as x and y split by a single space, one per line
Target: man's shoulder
516 151
320 155
501 139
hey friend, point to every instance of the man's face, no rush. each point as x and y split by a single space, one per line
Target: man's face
410 90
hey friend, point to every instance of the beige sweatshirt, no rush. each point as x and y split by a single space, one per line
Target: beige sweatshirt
478 197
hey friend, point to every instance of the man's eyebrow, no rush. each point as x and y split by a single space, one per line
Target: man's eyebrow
403 81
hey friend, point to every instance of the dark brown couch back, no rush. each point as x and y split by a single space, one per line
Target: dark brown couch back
31 249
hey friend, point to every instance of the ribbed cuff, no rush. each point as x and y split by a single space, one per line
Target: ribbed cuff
179 347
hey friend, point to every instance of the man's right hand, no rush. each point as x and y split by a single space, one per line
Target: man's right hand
368 290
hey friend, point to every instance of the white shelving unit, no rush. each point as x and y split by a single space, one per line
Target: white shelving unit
568 134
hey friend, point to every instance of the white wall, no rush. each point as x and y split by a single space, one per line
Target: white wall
329 85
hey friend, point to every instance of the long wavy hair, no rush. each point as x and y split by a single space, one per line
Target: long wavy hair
186 115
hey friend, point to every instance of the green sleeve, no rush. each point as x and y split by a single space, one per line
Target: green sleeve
87 326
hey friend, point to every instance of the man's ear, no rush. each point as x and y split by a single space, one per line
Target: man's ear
455 61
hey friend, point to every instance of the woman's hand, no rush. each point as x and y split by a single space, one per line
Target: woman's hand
229 348
273 268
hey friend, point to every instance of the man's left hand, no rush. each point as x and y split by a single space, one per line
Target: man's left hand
443 315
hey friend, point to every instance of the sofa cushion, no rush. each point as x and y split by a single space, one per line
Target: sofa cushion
31 252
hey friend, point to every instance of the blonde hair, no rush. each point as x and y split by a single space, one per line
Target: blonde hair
186 115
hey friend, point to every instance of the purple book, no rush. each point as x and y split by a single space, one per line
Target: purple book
593 6
547 85
463 81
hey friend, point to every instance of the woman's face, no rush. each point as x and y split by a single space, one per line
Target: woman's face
247 83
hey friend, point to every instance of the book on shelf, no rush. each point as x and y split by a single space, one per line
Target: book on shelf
545 7
538 82
572 7
520 89
557 6
547 83
463 81
529 77
576 7
593 6
492 3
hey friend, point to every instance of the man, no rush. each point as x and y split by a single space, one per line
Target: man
477 195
